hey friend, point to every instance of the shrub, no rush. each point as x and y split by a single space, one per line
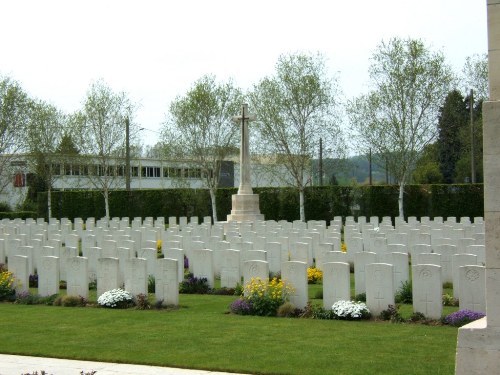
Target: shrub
361 297
142 302
93 285
70 301
223 291
116 298
286 310
404 293
319 312
241 306
392 314
33 281
343 247
266 297
158 247
462 317
27 298
151 284
417 317
318 294
449 300
194 285
238 290
314 275
350 310
7 285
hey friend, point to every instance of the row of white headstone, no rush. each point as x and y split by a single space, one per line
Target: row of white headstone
199 259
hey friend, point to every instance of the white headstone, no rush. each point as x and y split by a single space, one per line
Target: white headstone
203 265
472 293
77 281
360 261
230 274
136 279
107 275
167 281
255 269
336 283
295 273
379 287
48 276
427 290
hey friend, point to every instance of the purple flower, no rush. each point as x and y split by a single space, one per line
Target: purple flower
462 317
241 306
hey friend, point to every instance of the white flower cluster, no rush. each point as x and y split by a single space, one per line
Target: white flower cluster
112 298
350 309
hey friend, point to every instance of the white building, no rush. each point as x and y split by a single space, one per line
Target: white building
145 173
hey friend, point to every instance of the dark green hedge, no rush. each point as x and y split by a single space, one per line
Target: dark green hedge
321 203
18 215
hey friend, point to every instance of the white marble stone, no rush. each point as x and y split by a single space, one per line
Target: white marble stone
295 273
379 287
167 281
48 276
360 261
471 293
77 280
336 283
136 277
427 290
107 275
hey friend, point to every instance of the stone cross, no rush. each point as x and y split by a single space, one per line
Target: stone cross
245 177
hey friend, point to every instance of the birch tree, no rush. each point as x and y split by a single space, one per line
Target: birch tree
100 130
398 116
14 119
43 136
200 128
294 108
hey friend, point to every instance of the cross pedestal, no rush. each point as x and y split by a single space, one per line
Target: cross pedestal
478 347
245 204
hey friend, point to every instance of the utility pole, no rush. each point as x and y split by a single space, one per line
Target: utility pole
127 154
472 163
370 166
320 162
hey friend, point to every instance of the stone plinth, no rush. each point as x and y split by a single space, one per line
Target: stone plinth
245 207
478 349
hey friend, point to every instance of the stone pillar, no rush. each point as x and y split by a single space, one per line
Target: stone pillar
478 348
245 204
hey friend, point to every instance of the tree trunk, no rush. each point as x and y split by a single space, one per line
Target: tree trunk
302 212
214 205
49 202
400 200
106 204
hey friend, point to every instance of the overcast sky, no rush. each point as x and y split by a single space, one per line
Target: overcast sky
156 50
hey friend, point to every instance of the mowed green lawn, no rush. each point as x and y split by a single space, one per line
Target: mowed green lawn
202 335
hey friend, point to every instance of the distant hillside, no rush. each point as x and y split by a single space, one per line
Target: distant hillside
345 171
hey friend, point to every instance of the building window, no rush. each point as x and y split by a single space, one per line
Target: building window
134 171
150 171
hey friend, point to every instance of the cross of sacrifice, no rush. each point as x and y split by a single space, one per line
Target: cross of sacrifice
245 179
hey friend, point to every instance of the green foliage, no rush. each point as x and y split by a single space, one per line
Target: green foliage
7 285
142 302
286 310
449 300
322 203
70 301
28 298
194 285
266 297
404 293
360 297
392 314
151 284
